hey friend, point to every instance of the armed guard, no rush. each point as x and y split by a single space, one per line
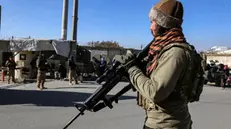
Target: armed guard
72 70
11 65
41 65
174 71
168 74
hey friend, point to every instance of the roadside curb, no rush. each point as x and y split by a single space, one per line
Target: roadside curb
7 86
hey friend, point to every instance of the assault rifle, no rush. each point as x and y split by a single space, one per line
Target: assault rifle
113 75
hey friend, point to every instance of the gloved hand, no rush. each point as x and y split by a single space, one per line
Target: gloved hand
125 60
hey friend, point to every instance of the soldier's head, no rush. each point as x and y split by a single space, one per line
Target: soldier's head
165 15
102 58
72 57
42 56
10 58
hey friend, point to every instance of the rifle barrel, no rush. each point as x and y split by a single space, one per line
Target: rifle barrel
115 73
71 121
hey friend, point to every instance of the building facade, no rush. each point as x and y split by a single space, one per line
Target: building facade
221 58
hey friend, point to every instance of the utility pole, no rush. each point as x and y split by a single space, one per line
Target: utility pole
0 17
64 20
75 20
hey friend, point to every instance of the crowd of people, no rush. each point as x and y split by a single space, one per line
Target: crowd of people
40 66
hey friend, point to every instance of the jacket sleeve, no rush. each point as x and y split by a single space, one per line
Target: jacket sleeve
7 63
163 79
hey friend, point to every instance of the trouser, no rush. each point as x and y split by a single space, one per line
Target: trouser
11 74
188 126
72 74
41 77
33 73
145 127
223 82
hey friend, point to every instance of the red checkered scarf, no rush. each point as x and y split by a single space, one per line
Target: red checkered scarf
174 35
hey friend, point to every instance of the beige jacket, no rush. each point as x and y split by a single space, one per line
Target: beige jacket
165 111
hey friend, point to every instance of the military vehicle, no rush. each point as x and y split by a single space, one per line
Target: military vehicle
213 72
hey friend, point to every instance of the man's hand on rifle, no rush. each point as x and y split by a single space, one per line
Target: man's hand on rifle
127 60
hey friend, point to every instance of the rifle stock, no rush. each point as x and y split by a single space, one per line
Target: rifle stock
98 100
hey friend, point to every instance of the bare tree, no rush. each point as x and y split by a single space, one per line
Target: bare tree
105 44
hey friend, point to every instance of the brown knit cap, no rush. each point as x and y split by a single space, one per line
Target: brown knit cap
167 13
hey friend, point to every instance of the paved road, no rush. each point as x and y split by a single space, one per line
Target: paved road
22 107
